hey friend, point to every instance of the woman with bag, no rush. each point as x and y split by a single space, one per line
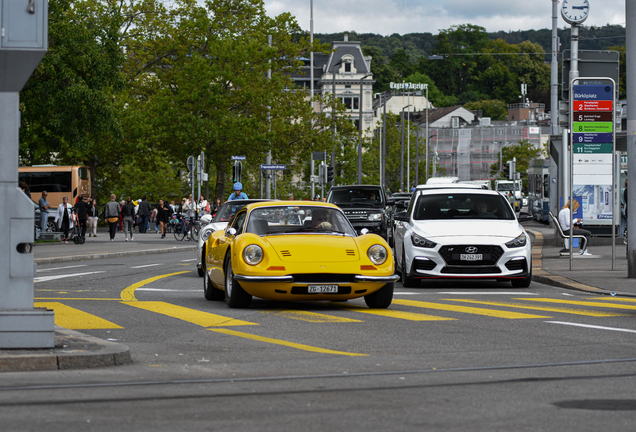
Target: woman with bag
112 216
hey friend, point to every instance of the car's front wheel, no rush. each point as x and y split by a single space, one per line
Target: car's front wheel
235 295
382 298
407 281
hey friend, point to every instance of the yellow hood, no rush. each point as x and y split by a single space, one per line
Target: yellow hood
314 248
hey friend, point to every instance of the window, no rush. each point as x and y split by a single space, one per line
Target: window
347 66
350 102
347 86
455 122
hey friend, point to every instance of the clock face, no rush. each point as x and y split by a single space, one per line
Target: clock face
575 11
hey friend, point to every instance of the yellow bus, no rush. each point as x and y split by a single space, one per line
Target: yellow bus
58 181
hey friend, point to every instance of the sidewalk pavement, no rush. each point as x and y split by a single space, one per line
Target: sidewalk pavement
73 350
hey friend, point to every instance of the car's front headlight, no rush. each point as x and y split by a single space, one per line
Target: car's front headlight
205 234
253 254
520 241
377 254
374 217
420 241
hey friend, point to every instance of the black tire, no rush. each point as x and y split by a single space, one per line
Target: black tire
235 295
51 227
201 268
194 232
179 232
209 291
382 298
407 281
82 240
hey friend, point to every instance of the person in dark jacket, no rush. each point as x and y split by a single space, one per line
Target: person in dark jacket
128 212
144 214
82 208
163 216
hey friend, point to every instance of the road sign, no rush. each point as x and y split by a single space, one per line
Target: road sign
319 155
239 158
191 163
274 167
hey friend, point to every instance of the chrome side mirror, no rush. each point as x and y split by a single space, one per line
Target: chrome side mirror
231 232
364 231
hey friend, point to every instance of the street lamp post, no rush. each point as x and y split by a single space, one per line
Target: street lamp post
402 152
360 129
381 145
333 114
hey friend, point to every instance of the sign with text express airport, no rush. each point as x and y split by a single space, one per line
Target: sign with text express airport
592 126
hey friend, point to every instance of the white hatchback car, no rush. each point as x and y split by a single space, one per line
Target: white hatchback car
462 234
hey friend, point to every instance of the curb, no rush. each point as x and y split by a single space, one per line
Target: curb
111 255
73 350
541 276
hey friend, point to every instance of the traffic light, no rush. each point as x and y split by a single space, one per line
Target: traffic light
190 179
505 170
329 173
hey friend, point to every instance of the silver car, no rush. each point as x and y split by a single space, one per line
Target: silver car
218 221
462 234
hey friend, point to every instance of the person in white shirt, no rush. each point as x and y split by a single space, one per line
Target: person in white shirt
203 206
566 221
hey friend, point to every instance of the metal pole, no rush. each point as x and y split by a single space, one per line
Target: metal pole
408 145
360 128
554 72
427 137
268 159
417 154
630 16
383 167
333 114
402 154
311 53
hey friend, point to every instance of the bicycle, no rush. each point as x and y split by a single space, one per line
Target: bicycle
186 227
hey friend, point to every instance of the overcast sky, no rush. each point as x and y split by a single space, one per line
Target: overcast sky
386 17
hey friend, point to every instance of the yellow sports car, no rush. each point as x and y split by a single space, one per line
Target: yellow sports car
289 250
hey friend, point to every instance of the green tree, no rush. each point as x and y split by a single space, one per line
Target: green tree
495 109
524 152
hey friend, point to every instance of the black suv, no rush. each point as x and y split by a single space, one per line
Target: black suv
365 206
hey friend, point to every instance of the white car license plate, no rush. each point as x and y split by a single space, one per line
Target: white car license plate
471 257
311 289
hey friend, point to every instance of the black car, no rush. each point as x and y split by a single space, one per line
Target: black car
366 206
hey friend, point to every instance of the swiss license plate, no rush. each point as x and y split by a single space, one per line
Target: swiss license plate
471 257
311 289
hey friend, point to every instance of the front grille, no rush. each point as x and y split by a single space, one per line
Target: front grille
323 278
451 254
357 217
303 290
470 270
426 265
517 264
351 252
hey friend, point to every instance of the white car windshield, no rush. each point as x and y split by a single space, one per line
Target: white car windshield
462 206
226 211
279 220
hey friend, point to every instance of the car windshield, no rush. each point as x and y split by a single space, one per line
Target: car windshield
226 211
356 196
279 220
507 187
462 206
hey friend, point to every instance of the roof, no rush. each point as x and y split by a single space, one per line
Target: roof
290 204
438 113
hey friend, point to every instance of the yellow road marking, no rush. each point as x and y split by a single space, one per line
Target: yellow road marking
75 319
128 294
583 303
619 299
75 298
469 310
193 316
309 316
409 316
285 343
543 308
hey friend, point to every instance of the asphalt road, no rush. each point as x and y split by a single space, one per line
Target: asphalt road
470 356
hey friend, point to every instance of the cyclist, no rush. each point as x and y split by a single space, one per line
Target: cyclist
238 194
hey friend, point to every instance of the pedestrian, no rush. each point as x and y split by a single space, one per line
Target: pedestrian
64 218
44 207
92 218
566 221
238 192
624 215
121 216
128 213
112 216
82 208
25 188
216 206
203 206
163 215
144 214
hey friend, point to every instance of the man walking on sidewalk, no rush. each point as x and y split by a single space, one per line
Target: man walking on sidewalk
144 214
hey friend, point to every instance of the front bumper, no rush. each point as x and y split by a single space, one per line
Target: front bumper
290 279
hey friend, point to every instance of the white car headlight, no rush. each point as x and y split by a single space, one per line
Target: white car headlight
377 254
520 241
375 217
205 234
253 254
420 241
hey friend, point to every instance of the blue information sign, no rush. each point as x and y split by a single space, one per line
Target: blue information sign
594 137
274 167
240 158
593 92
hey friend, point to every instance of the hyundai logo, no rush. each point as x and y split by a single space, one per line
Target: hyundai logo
471 249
